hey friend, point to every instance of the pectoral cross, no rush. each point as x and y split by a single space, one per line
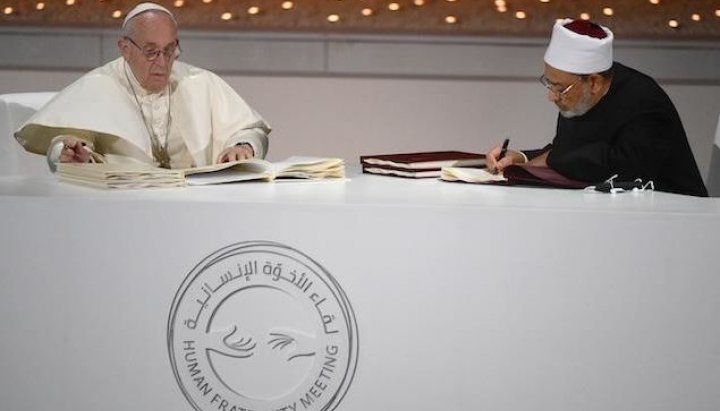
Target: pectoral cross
160 154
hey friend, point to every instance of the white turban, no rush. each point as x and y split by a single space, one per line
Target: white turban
142 8
578 53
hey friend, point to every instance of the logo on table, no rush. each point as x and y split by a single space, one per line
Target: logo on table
261 326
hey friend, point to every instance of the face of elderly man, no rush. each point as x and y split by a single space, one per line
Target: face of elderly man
573 94
149 45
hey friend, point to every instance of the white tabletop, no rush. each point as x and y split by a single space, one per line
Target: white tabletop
364 189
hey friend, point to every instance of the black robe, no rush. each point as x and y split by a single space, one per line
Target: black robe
634 131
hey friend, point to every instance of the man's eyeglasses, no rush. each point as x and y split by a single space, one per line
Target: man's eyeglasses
553 87
151 54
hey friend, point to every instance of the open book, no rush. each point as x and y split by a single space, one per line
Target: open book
135 176
296 167
516 174
419 165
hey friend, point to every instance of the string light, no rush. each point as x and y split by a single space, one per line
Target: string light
679 20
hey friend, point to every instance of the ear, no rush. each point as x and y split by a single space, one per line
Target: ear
124 48
597 83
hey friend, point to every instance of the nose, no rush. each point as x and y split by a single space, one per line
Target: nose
553 96
162 61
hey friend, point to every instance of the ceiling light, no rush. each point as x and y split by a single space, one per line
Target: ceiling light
696 17
451 19
608 11
419 2
520 15
394 6
673 23
40 6
226 16
367 12
585 16
333 18
287 5
116 14
253 10
8 11
179 3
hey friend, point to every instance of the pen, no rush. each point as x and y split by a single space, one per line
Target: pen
503 149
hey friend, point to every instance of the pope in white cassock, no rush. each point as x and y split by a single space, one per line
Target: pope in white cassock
147 107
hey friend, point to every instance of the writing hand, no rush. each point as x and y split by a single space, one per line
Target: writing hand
495 165
74 150
238 152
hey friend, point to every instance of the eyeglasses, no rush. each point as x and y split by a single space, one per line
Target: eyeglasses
151 54
553 87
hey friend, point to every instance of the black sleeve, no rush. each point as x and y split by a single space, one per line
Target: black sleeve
531 154
639 150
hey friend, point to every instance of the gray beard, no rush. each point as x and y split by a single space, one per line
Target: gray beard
583 106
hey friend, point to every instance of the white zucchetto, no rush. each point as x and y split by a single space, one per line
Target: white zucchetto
143 7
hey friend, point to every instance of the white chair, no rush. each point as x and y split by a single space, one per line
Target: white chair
713 180
14 110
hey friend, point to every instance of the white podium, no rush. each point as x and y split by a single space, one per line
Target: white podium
370 294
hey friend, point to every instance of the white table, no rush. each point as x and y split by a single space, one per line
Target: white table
445 296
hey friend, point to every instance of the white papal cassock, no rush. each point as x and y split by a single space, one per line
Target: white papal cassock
103 108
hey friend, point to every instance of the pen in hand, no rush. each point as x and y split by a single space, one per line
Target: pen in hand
503 151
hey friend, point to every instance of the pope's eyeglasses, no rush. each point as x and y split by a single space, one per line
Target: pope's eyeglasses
553 87
151 54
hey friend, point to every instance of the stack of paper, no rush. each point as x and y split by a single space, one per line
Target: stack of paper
134 176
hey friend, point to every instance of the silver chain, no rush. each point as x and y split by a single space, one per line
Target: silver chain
160 152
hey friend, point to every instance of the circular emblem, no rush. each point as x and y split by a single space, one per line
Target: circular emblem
261 326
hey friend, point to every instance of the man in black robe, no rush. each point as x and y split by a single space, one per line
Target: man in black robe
613 119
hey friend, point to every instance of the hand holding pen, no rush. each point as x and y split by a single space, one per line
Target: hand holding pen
496 158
